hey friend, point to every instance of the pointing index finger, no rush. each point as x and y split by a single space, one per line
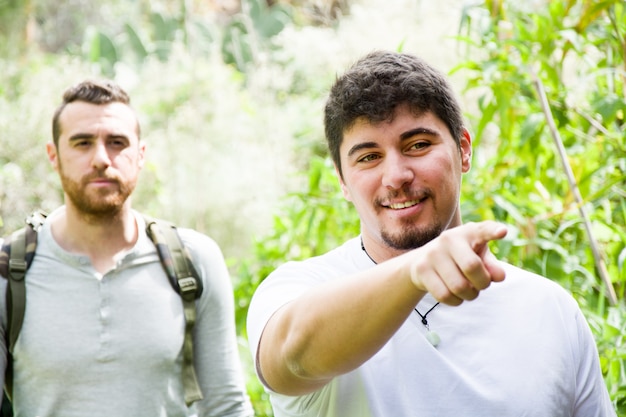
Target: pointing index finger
485 232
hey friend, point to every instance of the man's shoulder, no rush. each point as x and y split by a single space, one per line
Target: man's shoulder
191 238
338 261
524 276
197 241
525 282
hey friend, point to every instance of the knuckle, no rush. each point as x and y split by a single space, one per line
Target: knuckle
472 266
461 288
457 286
440 294
447 237
482 284
446 297
472 295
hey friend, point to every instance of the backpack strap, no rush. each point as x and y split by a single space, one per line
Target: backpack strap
17 255
178 265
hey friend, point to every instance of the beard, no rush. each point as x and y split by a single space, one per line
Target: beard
411 237
98 203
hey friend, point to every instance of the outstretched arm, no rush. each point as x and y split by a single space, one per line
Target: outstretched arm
334 328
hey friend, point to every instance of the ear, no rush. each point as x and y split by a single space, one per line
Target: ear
53 155
142 153
344 189
466 151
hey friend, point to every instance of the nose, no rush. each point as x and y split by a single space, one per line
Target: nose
101 158
397 172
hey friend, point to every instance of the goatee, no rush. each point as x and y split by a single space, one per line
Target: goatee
412 237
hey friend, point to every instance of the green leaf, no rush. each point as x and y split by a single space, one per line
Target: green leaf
135 42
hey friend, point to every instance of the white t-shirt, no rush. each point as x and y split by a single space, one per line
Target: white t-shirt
522 348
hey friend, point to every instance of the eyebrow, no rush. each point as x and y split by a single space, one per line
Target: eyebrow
360 146
81 136
418 131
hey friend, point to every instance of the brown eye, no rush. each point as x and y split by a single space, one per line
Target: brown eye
420 145
368 158
118 143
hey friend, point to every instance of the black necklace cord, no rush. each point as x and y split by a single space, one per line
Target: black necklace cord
432 337
365 250
424 321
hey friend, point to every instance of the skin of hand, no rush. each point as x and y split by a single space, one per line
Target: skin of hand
457 265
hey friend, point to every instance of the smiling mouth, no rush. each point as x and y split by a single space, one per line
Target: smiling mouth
405 204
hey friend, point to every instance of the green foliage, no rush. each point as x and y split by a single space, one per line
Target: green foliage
577 51
137 42
13 20
310 223
610 327
245 36
589 109
250 32
102 51
26 107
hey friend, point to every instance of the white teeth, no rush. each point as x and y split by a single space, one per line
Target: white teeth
404 205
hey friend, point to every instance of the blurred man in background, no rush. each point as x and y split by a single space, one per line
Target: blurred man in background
103 332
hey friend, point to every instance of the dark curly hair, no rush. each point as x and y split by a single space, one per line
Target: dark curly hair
90 91
377 84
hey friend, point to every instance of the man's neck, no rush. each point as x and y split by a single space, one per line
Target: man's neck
102 239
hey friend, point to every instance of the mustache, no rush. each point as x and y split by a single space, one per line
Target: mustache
405 193
100 175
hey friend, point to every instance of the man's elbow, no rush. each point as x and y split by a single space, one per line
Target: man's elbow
281 369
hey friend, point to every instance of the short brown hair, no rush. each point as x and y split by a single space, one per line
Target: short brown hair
380 82
90 91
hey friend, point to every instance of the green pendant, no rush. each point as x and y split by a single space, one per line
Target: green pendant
433 338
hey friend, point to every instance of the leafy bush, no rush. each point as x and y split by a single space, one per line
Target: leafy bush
576 49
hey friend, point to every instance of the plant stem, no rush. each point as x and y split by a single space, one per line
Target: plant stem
600 266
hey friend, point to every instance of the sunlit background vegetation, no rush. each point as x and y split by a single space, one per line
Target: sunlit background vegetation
230 96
